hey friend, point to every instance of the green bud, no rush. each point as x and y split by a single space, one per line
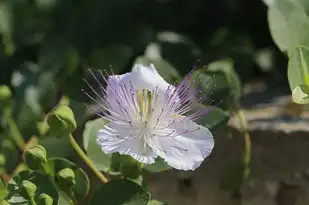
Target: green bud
66 178
35 157
130 168
44 199
27 189
61 121
5 94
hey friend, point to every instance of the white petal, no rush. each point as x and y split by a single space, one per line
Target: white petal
181 150
144 77
116 138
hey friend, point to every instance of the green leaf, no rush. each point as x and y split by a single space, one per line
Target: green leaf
164 68
288 24
298 74
233 81
220 84
300 94
159 166
82 182
128 193
94 152
215 119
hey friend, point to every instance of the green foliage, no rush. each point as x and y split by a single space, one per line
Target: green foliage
59 182
215 118
129 193
159 166
289 25
46 46
298 74
94 152
41 182
64 173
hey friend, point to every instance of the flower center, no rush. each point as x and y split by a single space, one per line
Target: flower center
144 104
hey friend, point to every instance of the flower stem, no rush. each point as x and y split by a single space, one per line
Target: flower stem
17 137
82 154
247 143
31 201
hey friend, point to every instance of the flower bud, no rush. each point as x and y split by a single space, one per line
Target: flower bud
5 94
61 121
44 199
66 178
35 157
27 189
130 168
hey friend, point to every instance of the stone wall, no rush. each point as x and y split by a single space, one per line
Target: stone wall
279 169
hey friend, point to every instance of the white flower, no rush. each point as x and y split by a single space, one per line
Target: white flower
148 117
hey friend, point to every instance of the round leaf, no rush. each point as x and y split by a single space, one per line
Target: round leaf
94 152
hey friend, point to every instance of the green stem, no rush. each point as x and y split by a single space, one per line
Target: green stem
82 154
31 201
247 142
17 137
64 195
48 171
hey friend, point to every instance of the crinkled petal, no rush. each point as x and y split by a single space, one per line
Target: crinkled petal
183 146
145 77
141 77
116 138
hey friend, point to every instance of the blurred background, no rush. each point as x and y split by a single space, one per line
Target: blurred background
48 45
